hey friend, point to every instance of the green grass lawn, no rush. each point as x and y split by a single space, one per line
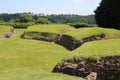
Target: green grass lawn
33 74
33 59
4 30
96 49
51 28
90 31
17 52
22 59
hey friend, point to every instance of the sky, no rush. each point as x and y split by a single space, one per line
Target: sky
80 7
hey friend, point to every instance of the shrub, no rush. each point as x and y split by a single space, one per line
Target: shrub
42 21
80 25
21 25
18 25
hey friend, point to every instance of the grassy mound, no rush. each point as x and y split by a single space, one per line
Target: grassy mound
96 49
33 74
71 39
51 28
29 53
87 32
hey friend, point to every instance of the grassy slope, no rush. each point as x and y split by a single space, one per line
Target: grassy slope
87 32
29 53
4 30
97 49
51 28
20 53
17 53
33 74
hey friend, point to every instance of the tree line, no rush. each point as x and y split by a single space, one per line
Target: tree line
46 19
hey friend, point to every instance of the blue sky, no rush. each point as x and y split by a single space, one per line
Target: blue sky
81 7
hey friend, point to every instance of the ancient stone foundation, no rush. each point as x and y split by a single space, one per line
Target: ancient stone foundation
106 68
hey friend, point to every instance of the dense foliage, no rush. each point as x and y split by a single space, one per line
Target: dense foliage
17 25
42 21
21 25
61 18
71 19
25 18
108 14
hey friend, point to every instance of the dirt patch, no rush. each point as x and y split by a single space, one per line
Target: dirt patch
106 68
70 43
11 33
49 37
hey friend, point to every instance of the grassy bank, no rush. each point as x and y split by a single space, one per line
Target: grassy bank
29 53
51 28
90 31
96 49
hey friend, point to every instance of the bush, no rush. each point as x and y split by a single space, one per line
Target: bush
80 25
18 25
42 21
21 25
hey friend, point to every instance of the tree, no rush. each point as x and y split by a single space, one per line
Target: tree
42 21
108 14
25 17
54 18
11 20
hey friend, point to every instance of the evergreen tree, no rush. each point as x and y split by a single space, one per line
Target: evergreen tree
108 14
